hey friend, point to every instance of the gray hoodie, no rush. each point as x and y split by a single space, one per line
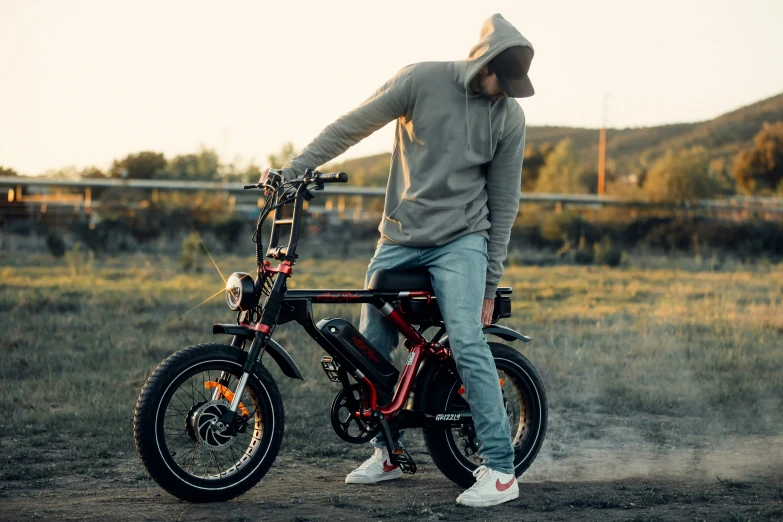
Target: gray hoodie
457 158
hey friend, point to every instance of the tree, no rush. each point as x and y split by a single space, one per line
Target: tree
535 157
5 171
681 176
202 166
143 165
759 169
562 172
287 152
92 173
64 173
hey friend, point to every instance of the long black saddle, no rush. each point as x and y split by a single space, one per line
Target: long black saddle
400 280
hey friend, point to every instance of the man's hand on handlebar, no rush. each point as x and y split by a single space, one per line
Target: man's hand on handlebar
270 179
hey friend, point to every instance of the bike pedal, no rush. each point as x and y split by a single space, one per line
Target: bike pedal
405 462
331 368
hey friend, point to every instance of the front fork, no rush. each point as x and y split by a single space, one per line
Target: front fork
228 421
264 327
236 342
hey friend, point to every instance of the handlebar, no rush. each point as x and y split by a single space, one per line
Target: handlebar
333 177
310 176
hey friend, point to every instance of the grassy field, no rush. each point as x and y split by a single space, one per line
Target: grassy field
648 370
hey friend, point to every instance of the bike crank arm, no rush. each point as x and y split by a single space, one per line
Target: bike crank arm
397 456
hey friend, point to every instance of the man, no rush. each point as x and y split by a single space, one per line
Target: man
451 198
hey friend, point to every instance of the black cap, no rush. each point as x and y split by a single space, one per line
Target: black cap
511 67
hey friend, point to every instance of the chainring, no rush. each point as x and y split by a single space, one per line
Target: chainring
345 422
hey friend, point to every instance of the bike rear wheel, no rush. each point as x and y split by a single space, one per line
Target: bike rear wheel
174 424
455 450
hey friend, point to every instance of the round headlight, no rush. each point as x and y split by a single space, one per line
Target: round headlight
239 291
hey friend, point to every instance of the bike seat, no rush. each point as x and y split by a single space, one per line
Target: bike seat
400 280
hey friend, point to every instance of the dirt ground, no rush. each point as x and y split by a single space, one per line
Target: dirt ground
665 391
593 483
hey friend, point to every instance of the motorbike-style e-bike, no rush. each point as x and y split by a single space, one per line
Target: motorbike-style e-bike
209 420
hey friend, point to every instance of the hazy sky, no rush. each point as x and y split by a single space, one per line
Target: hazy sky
84 82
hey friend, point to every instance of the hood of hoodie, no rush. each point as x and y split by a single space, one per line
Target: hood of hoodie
497 35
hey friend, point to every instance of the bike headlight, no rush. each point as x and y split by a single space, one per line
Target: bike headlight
239 291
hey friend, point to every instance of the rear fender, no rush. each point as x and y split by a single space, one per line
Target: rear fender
507 334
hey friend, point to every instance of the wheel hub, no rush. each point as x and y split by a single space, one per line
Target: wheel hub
203 425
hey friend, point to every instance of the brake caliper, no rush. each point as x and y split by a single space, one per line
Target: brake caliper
228 394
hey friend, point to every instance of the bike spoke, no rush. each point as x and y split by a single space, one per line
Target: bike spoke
191 407
193 457
209 462
220 470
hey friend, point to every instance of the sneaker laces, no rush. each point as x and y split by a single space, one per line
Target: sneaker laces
480 473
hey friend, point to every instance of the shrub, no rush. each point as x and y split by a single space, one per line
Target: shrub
760 168
606 253
55 243
106 236
583 256
748 240
674 235
228 232
193 253
556 229
681 177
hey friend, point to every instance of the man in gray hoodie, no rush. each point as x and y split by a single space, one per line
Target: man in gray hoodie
451 199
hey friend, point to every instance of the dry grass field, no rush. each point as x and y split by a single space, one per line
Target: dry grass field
665 385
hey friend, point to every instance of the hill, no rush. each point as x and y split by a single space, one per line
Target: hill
627 148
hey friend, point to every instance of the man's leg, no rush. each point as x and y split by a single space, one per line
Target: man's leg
381 333
458 272
384 336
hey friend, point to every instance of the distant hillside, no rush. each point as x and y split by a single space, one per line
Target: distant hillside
370 171
723 137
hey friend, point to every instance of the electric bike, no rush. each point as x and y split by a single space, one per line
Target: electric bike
209 420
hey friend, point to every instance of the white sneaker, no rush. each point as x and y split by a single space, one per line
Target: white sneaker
491 488
375 469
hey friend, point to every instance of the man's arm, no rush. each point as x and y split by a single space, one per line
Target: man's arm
503 189
386 104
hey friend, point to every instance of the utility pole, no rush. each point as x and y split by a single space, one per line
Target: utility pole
602 152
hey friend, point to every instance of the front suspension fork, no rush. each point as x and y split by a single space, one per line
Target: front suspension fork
263 329
228 419
236 342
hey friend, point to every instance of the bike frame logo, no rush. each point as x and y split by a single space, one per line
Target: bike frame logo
366 350
338 296
448 416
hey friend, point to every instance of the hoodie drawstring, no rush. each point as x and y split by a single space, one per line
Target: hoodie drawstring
489 118
467 125
467 120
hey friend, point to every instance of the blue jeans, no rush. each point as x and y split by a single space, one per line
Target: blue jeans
458 274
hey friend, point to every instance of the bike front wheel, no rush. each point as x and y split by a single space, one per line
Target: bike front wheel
175 424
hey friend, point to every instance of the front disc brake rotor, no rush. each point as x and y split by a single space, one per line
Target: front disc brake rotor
202 424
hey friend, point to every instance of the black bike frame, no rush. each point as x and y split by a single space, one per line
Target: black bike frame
284 305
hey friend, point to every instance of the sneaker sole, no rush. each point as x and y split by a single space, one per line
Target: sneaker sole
367 480
489 502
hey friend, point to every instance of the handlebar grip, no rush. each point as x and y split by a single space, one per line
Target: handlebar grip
248 187
334 177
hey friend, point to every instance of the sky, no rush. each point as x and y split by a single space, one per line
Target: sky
86 82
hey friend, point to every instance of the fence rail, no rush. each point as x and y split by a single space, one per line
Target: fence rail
17 185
